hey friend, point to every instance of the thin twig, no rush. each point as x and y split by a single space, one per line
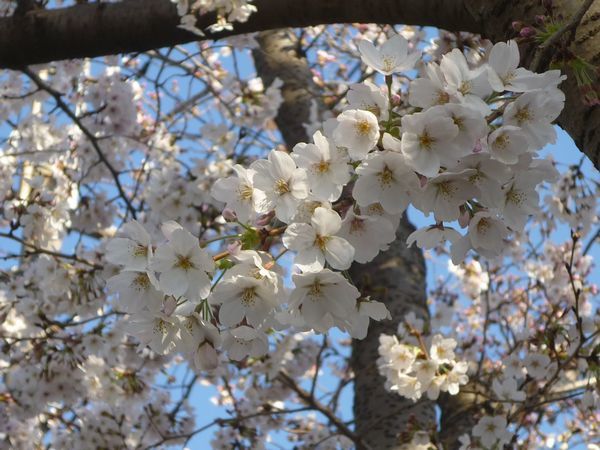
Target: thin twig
309 400
543 51
48 252
93 140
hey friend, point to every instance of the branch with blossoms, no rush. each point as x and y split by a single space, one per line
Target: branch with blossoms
200 282
528 378
449 162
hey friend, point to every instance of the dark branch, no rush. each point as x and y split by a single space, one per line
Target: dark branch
95 29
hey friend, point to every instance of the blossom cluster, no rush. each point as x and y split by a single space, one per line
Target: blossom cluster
463 149
228 11
411 370
170 295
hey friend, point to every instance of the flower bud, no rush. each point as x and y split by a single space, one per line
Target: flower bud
169 305
464 218
234 248
229 215
264 219
527 32
206 357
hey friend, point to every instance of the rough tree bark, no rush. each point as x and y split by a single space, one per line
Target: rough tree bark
95 29
396 277
277 57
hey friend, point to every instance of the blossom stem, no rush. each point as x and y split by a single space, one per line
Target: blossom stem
220 238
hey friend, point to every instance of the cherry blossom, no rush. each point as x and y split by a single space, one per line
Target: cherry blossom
358 131
426 139
391 57
323 298
282 183
317 243
385 177
107 326
327 171
183 266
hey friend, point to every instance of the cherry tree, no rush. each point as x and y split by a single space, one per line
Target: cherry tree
215 193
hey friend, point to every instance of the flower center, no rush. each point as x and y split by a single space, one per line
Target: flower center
141 282
501 142
321 242
465 87
363 127
523 115
246 192
184 262
315 290
446 189
426 141
483 226
516 197
140 250
322 167
476 177
442 97
160 326
388 63
386 176
356 226
282 186
249 296
459 122
508 77
491 428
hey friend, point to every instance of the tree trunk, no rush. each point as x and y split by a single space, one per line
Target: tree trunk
396 277
277 57
380 416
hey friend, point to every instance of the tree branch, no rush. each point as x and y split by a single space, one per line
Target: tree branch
88 134
543 52
311 401
95 29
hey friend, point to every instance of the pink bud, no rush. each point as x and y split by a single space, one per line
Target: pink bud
517 26
234 248
229 215
206 358
169 305
464 218
527 32
264 219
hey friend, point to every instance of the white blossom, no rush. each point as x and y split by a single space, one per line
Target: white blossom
391 57
183 266
317 243
282 183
